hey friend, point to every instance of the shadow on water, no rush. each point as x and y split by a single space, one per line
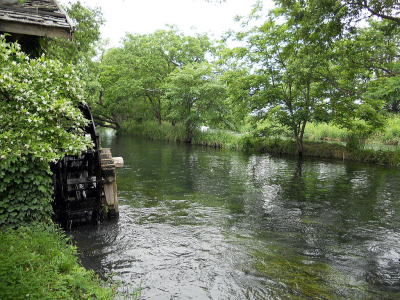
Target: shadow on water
198 223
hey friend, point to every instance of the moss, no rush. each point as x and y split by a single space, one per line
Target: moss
39 263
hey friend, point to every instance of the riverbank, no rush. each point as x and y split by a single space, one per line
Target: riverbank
326 149
38 262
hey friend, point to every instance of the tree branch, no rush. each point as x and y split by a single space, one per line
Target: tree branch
365 5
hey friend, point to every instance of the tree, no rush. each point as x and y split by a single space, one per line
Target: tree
384 9
134 74
288 67
82 48
308 63
347 12
193 96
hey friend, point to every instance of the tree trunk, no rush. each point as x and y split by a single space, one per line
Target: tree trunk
189 132
300 146
300 138
188 123
158 116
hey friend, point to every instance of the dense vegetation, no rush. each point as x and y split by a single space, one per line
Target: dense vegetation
303 66
40 122
39 263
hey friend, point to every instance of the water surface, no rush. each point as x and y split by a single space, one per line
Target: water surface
199 223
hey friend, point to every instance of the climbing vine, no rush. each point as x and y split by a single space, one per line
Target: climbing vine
39 123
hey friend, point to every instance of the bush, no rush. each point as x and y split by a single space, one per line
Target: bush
39 263
40 123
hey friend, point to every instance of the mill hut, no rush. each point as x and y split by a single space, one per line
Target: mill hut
26 21
84 186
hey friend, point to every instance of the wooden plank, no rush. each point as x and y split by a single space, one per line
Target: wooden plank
81 180
35 30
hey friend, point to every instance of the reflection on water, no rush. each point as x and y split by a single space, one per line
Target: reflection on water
198 223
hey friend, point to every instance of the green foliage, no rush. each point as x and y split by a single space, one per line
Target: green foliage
177 133
238 84
25 192
40 123
193 97
325 132
218 139
82 48
134 75
307 62
39 262
155 131
391 132
389 135
288 59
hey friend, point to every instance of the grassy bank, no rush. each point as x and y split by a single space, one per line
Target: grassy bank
39 263
385 138
321 141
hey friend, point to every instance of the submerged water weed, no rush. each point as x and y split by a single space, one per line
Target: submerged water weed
302 278
39 263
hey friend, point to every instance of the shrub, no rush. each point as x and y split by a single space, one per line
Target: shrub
40 123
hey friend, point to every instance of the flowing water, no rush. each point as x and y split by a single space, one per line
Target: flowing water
198 223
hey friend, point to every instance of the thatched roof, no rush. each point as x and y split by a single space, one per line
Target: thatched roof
34 17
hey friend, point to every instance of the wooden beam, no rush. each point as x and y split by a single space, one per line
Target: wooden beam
36 30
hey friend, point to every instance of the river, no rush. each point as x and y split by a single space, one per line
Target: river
200 223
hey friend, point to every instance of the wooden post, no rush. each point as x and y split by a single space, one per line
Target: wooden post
108 166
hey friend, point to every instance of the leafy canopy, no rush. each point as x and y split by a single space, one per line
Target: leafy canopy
132 76
193 97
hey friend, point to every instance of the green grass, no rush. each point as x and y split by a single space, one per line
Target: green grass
155 131
389 135
218 139
167 132
39 263
391 132
325 132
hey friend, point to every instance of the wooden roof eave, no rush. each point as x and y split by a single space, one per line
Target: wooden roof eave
52 22
69 21
36 30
